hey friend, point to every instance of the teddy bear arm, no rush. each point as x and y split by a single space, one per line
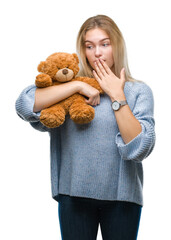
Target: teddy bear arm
43 80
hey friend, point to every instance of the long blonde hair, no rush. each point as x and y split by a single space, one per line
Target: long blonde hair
117 42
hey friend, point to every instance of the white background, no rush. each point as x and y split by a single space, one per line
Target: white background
32 30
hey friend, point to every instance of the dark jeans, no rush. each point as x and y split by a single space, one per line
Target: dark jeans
80 217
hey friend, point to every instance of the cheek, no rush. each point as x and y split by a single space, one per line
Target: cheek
88 55
110 58
89 58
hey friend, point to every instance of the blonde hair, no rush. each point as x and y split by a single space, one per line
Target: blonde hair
117 42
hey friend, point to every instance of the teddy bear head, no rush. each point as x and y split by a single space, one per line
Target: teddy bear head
61 67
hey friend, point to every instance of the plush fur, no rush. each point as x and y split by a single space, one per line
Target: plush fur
57 69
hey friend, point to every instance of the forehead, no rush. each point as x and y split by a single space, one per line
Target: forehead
96 35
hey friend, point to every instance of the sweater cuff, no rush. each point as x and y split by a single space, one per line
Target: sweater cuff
139 147
127 150
25 103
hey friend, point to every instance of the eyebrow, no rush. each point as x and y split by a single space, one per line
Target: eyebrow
100 40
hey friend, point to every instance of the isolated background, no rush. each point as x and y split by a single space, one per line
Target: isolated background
32 30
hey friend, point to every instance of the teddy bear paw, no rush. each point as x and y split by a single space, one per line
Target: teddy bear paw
52 120
82 115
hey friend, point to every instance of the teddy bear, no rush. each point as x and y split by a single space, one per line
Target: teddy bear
60 68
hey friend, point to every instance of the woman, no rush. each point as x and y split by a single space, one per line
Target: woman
96 168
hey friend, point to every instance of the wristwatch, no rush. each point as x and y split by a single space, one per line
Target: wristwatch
116 105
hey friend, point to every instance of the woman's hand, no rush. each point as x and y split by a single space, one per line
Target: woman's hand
109 82
92 93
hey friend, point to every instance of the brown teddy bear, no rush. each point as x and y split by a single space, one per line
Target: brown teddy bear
59 68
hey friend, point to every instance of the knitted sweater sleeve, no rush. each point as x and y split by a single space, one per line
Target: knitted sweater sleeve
142 145
24 108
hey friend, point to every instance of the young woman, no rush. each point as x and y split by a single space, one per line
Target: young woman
96 168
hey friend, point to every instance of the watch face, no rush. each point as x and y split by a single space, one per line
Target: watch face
115 105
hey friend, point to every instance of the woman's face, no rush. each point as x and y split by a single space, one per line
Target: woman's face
97 45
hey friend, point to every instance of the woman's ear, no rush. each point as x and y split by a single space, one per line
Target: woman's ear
76 57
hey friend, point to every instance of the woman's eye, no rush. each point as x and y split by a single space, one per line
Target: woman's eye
105 44
89 47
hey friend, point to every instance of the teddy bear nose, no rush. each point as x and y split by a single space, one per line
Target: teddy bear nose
65 71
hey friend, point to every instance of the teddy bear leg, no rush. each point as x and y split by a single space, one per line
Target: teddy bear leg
53 117
81 113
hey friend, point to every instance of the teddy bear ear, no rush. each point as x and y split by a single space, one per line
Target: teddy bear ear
76 57
41 66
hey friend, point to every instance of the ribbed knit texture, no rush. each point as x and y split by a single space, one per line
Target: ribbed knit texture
91 160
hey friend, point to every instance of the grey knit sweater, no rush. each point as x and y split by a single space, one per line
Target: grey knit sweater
91 160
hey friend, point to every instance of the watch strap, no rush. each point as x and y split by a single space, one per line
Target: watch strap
122 103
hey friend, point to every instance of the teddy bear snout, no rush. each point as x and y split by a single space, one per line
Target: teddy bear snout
65 71
64 75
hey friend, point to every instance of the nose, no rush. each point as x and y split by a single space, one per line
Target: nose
65 71
98 52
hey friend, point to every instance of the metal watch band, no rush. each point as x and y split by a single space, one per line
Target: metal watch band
122 103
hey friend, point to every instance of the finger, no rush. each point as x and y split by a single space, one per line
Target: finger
122 75
87 101
101 67
99 71
90 101
95 101
98 99
107 69
96 76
